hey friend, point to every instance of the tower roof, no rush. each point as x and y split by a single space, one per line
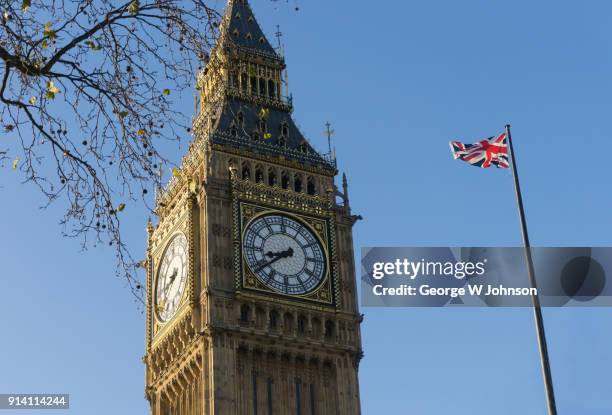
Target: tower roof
243 30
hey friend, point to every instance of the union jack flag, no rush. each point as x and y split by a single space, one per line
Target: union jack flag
493 150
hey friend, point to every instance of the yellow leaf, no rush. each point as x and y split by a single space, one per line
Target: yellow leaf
32 100
25 5
166 92
264 113
15 163
134 7
52 90
120 207
141 132
48 32
267 136
44 44
175 172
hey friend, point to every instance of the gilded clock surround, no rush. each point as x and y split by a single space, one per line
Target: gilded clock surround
233 347
246 280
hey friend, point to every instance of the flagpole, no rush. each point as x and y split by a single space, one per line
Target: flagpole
537 310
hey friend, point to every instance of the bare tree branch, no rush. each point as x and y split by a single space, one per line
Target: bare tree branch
87 92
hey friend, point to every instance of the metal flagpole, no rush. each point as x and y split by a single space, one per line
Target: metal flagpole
537 310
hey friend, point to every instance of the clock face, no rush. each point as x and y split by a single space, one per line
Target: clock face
284 254
171 278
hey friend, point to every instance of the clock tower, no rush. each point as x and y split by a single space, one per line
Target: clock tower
251 291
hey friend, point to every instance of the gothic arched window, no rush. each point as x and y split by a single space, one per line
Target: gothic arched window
245 313
297 183
253 85
271 89
271 178
240 119
246 173
244 82
285 181
259 177
310 186
285 130
273 319
262 87
233 131
263 125
330 329
301 325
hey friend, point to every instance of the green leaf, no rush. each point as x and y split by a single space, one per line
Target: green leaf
44 44
93 45
267 136
120 207
166 92
176 172
123 114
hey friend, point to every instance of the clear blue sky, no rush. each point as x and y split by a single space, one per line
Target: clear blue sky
398 80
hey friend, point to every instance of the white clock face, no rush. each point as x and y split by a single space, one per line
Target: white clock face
171 278
284 254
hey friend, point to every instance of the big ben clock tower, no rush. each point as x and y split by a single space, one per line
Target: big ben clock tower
251 291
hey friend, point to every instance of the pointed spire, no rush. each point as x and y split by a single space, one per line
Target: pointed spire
242 29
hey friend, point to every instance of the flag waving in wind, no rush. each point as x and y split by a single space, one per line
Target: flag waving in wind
493 150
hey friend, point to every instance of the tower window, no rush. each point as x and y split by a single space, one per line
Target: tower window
245 313
246 173
233 131
259 177
236 33
271 178
312 399
298 396
282 141
310 186
285 130
262 40
253 85
233 79
263 125
303 147
271 89
301 325
330 329
244 82
288 322
285 181
249 36
255 136
270 406
262 87
273 319
297 184
240 118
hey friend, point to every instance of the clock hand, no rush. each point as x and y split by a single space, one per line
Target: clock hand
168 285
278 256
